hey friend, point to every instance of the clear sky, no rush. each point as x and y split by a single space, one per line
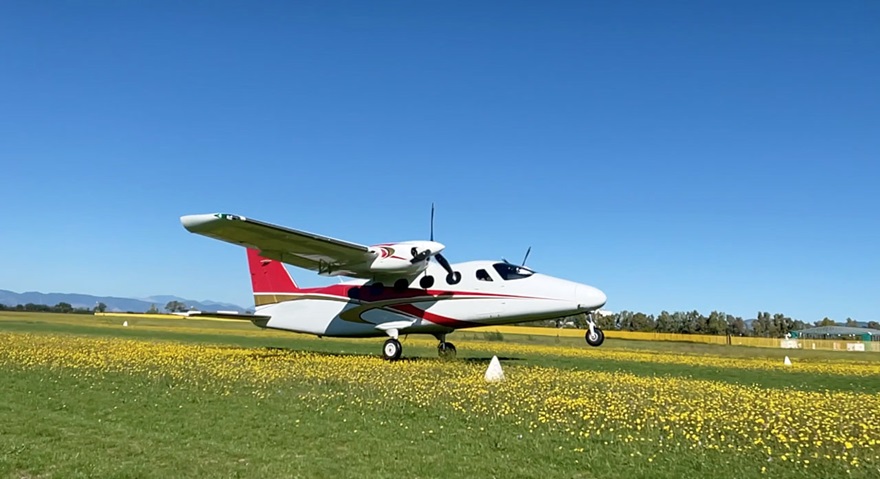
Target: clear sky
678 155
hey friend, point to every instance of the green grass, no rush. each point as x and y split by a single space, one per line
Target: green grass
124 427
55 423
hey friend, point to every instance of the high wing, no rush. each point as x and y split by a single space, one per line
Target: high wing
327 256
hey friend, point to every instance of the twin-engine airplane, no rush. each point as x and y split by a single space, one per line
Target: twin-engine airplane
397 289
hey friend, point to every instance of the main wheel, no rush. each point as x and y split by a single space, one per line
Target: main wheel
446 350
453 278
595 339
392 349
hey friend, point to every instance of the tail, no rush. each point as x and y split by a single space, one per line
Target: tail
270 280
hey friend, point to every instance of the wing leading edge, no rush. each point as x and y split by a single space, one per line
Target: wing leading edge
325 255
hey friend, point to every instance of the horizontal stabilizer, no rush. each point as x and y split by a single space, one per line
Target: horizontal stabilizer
232 316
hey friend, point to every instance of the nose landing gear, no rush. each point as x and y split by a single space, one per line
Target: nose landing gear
594 336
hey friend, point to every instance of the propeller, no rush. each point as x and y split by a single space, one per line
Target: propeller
524 257
439 257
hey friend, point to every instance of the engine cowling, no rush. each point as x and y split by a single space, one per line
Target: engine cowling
405 257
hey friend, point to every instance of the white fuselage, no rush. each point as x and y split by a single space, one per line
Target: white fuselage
359 308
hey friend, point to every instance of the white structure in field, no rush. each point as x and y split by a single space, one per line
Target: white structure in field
494 372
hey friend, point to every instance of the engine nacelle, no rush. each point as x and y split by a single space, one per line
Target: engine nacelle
408 257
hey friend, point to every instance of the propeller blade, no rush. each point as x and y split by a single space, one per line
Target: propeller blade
443 262
526 256
432 221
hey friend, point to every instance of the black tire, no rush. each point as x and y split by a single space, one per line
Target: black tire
597 340
453 278
401 284
446 350
392 349
426 282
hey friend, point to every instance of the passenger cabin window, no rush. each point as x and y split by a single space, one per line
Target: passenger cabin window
483 275
511 271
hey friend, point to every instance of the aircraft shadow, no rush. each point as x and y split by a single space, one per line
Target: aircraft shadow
488 360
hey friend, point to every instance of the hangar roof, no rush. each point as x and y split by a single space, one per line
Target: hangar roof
837 331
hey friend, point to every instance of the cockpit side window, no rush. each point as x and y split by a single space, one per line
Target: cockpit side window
483 275
509 271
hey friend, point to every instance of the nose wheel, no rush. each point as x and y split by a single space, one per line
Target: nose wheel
594 336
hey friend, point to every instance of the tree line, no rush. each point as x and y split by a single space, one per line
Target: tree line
693 322
62 307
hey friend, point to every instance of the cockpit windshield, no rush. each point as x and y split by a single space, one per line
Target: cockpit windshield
509 271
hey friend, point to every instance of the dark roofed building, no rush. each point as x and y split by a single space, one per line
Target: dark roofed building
838 332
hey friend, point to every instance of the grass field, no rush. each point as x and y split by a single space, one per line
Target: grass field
84 396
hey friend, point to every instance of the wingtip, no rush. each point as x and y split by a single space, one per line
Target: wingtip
191 222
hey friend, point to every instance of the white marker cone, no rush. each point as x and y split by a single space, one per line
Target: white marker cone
787 361
125 323
494 371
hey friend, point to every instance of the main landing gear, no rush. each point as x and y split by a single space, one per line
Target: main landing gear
594 335
445 349
392 349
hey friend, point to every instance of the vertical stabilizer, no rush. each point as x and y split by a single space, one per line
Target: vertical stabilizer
270 280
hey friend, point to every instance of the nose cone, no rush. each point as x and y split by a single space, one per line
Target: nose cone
589 298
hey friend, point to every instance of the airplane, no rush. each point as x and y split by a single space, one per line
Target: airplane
395 288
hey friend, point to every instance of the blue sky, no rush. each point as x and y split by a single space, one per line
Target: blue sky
677 155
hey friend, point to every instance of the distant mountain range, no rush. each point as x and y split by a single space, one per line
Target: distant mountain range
114 304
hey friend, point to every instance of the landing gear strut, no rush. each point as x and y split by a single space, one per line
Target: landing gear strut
594 335
445 350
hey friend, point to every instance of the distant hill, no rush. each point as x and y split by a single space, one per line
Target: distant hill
114 304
